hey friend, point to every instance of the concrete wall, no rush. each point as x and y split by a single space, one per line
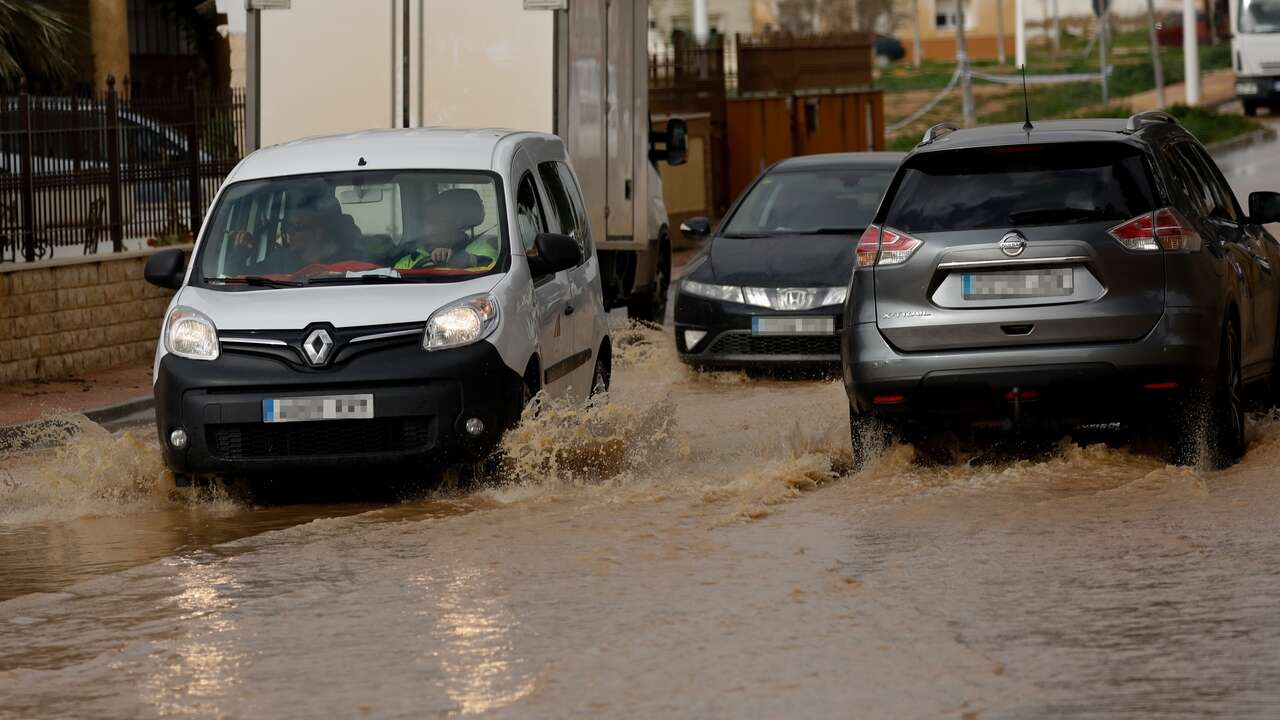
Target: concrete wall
60 318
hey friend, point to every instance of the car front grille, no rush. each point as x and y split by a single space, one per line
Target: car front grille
319 439
742 344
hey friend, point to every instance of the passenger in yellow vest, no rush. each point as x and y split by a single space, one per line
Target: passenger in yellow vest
448 218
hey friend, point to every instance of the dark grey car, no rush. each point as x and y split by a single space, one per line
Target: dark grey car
1081 272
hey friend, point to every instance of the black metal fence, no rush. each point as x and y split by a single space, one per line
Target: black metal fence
80 171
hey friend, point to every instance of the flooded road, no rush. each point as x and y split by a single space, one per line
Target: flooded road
693 548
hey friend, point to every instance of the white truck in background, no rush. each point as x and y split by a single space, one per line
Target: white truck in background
576 68
1255 53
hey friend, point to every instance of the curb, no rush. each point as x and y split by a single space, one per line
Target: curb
50 432
1266 134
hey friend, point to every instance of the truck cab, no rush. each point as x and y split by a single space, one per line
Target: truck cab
1255 53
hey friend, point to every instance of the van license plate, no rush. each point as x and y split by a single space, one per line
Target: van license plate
1014 284
328 407
793 326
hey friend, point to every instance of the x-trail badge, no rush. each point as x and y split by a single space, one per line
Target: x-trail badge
317 347
1012 244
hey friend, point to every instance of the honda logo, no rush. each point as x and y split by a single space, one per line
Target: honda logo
317 347
1012 244
795 299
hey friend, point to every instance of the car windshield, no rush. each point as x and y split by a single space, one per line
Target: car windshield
354 227
1020 185
1259 16
810 201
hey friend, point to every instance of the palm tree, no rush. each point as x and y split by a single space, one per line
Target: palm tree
35 39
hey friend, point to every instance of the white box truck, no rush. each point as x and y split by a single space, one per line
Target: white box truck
1255 53
576 68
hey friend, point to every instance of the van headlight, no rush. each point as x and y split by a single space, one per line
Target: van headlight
461 322
190 334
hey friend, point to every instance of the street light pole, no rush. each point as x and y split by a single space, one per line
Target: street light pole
1190 52
1000 31
1103 27
701 24
962 64
1157 63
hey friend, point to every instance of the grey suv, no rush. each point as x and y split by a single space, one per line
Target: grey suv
1075 273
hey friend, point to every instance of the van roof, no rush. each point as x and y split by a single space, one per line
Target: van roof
386 149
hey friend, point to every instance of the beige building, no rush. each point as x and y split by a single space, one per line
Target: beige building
726 17
937 22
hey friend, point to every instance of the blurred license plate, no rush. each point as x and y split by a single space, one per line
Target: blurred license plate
793 326
328 407
1009 284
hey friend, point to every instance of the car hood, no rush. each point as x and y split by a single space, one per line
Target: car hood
339 305
781 261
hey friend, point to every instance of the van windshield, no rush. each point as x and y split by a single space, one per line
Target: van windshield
1259 16
353 227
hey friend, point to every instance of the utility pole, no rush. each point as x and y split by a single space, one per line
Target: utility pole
915 33
1157 63
962 65
1000 31
1190 52
701 24
1103 17
1020 33
1057 32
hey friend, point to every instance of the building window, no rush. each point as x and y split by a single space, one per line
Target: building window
946 15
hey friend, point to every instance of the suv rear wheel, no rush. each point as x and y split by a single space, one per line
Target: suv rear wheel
1227 403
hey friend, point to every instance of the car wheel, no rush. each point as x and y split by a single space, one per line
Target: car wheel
600 377
1227 403
652 305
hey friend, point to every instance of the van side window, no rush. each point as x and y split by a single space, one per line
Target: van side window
567 200
530 217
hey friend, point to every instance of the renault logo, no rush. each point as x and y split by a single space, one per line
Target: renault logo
317 347
1012 244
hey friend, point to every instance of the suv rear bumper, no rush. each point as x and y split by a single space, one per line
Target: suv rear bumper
1069 384
420 401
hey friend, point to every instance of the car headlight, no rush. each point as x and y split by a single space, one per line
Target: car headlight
190 334
727 293
461 322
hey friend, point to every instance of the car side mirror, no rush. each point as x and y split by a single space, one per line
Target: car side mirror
696 228
1264 207
675 142
166 269
553 252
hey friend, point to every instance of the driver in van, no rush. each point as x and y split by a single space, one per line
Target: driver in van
447 218
315 232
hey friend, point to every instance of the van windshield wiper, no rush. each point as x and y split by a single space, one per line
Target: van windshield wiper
255 281
1065 214
338 279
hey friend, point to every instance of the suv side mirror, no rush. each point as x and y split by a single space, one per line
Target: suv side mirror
696 228
675 142
554 252
1264 207
166 269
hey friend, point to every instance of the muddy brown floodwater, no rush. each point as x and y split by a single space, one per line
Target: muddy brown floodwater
694 548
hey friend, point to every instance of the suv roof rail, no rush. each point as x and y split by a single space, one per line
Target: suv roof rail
938 131
1135 120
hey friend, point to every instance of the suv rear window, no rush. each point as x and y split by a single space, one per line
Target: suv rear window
1020 185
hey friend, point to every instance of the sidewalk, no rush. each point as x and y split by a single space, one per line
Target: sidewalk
27 401
1216 87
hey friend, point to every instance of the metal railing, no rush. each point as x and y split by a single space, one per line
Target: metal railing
91 170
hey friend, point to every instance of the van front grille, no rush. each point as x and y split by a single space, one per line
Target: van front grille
319 439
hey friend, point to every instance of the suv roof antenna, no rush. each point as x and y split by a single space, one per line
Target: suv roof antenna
1026 104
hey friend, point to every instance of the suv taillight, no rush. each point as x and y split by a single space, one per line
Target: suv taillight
885 246
1171 232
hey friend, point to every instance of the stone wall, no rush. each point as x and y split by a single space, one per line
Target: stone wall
61 318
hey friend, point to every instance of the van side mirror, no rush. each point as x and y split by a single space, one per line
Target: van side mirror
1264 207
166 269
553 253
696 228
675 143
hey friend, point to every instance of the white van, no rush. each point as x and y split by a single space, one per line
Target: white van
1255 51
388 296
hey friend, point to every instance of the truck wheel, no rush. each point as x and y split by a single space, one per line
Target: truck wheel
652 305
1250 108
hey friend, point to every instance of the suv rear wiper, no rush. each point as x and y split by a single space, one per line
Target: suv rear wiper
256 281
1060 214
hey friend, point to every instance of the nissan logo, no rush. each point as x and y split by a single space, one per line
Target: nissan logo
1012 244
